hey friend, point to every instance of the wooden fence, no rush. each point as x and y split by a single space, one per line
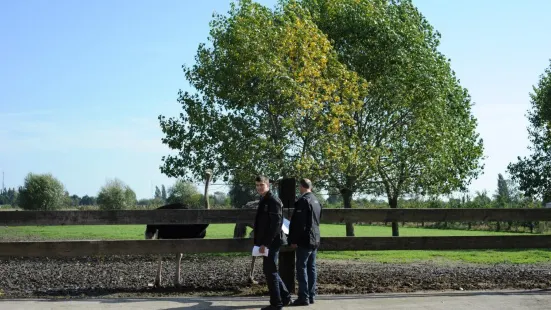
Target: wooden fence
128 247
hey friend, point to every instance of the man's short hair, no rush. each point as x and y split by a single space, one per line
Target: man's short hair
306 183
262 179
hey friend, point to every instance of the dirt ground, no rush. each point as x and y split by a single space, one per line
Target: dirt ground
133 276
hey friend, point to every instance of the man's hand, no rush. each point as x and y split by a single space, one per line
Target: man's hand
294 246
262 249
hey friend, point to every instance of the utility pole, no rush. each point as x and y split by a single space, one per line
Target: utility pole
3 187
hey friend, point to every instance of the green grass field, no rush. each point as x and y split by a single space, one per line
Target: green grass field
136 232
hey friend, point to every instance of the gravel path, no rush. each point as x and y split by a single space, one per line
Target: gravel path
132 276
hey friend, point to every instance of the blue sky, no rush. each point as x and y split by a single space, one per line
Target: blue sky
83 82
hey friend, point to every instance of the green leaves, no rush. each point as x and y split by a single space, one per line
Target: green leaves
269 84
41 192
415 124
352 94
534 173
116 195
186 193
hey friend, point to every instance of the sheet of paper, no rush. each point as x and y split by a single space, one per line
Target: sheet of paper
285 226
256 251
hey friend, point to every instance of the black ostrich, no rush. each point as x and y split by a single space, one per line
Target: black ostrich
188 231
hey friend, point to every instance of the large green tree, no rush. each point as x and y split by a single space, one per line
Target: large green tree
41 192
158 194
503 194
163 193
116 195
351 93
533 173
269 85
416 132
502 197
185 192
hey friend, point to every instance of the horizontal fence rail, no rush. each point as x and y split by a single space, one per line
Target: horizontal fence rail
201 216
146 247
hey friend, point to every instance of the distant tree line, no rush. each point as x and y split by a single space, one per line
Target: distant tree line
8 196
46 192
507 195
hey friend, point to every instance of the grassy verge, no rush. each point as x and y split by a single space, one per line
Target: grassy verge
136 232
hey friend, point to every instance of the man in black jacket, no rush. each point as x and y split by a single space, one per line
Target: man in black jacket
304 236
268 235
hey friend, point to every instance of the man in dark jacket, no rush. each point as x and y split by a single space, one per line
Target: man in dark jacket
268 235
304 236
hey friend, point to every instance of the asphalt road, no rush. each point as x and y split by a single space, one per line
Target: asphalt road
472 300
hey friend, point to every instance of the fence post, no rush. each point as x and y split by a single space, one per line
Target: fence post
544 225
287 269
287 258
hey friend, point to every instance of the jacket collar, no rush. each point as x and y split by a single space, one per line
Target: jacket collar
267 195
304 195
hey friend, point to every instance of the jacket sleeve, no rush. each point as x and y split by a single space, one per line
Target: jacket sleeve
275 214
309 214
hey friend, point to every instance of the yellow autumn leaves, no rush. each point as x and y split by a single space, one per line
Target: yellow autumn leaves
284 76
323 86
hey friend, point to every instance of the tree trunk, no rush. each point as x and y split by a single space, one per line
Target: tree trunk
347 198
393 202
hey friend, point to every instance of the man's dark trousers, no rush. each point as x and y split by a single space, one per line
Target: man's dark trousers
278 290
306 273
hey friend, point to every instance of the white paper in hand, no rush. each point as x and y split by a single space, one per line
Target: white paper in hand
256 251
285 226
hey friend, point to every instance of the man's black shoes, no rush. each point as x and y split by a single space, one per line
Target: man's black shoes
299 302
287 302
270 307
